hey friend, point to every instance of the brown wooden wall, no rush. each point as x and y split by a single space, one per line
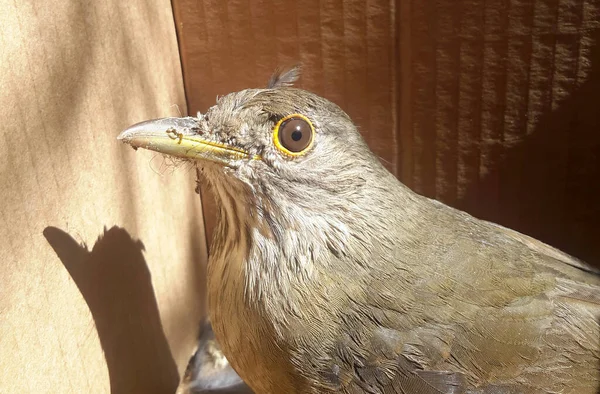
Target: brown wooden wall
489 106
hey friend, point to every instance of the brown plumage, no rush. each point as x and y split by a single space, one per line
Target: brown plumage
330 276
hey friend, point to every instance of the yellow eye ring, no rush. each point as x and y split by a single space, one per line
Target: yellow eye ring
294 135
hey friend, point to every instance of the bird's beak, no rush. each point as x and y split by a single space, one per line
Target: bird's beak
179 137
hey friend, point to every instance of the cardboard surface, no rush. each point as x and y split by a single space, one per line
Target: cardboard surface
121 314
499 113
489 106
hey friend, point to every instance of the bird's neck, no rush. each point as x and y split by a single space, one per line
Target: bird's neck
265 247
268 260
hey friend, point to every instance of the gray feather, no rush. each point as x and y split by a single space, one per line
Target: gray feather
283 78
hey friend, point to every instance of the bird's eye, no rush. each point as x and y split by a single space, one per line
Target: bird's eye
293 135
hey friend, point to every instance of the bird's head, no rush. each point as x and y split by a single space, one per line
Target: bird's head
282 160
282 144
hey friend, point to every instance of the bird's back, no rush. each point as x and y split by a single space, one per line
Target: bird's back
464 307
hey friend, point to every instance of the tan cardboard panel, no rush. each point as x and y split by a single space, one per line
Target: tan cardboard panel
84 307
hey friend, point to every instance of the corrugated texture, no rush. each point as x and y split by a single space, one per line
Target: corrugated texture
119 315
489 106
503 116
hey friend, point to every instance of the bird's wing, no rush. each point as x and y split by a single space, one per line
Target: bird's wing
551 254
491 312
532 346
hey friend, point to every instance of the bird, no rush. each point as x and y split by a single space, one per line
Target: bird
208 370
329 275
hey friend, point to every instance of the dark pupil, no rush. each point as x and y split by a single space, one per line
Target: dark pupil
296 135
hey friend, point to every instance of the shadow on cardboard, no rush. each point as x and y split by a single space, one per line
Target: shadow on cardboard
115 281
548 186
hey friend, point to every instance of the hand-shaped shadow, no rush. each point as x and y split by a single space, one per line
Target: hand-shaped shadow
115 281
